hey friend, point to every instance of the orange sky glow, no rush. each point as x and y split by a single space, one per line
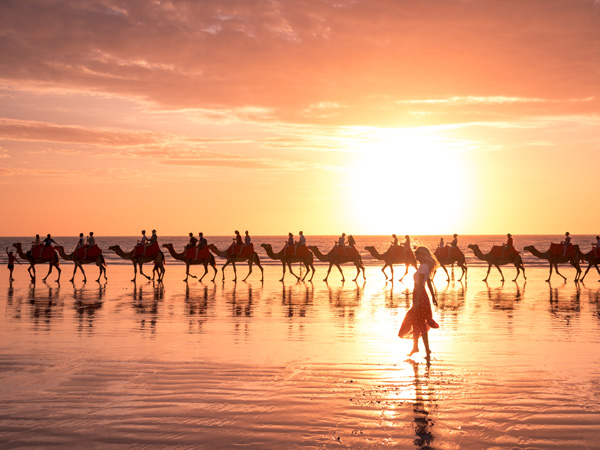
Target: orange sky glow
364 117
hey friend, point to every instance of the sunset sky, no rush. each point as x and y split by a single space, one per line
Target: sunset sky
368 117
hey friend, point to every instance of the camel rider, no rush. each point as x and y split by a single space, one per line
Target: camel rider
150 242
596 246
301 241
566 243
351 241
193 241
341 243
80 242
201 243
453 244
394 240
91 241
247 241
441 244
34 243
144 239
290 242
49 241
508 246
237 243
406 246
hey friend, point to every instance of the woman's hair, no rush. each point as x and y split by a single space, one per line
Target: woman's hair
423 255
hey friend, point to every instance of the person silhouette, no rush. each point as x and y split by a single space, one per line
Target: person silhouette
201 244
419 318
394 240
566 243
11 263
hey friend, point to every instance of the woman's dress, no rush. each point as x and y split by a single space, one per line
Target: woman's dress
418 319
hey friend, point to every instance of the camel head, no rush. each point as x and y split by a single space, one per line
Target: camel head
114 248
528 248
167 246
17 245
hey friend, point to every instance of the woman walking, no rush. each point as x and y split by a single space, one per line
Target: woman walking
419 319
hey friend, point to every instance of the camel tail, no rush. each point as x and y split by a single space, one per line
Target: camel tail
103 261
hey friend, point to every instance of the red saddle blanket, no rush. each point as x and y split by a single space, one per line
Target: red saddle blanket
149 251
499 251
397 251
345 252
558 250
447 252
194 253
300 251
39 251
92 252
241 250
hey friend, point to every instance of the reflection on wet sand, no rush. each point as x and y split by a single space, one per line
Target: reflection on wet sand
344 300
564 307
296 298
87 303
424 406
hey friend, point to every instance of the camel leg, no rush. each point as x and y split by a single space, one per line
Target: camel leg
49 272
262 272
328 270
556 269
147 277
383 270
59 272
292 272
314 271
518 267
74 272
342 273
586 272
357 272
223 268
464 272
501 274
214 266
445 270
30 269
134 271
283 274
83 273
488 272
405 272
249 269
578 274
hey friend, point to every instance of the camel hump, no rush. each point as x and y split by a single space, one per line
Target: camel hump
43 252
345 252
204 252
241 250
558 249
293 250
92 252
149 251
499 251
447 252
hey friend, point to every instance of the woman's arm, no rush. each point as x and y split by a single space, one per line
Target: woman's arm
430 285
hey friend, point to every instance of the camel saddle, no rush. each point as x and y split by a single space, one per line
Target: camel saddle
190 253
498 250
42 252
345 252
447 253
151 250
301 251
92 252
235 249
557 250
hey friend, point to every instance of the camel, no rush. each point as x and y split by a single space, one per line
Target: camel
394 255
498 261
451 255
139 260
334 259
554 260
192 261
288 260
99 261
592 260
232 259
53 262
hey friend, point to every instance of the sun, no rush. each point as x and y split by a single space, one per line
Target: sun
412 181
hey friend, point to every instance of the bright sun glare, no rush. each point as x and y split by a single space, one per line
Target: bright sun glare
407 181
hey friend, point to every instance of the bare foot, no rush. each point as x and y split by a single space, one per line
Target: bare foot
413 351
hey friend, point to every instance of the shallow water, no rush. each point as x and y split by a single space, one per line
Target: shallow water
315 365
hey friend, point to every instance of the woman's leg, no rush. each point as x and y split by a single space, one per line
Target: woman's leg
415 348
425 337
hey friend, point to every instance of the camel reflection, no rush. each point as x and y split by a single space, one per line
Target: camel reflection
296 298
452 298
504 298
401 297
145 302
564 306
87 302
345 301
44 303
241 299
423 407
196 305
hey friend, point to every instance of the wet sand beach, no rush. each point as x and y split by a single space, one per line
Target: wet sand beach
297 365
